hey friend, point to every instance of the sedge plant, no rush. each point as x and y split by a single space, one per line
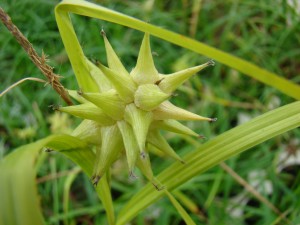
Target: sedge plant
123 112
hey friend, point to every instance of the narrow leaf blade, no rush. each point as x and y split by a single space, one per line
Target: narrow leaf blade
18 192
185 216
215 151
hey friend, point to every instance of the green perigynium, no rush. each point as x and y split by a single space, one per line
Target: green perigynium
129 109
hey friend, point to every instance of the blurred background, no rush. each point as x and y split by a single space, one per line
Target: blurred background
264 32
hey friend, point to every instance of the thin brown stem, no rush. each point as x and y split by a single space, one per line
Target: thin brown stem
57 175
195 17
252 190
40 62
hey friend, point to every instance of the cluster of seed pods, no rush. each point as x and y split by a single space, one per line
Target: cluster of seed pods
128 111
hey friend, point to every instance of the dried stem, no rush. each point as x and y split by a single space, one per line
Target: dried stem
194 17
253 191
40 62
58 175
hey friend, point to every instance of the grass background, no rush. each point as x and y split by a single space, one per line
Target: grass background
261 32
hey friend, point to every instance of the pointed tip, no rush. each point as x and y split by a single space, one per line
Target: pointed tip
211 63
174 80
146 36
158 186
80 92
145 71
102 32
113 60
143 155
132 175
55 107
182 162
95 180
200 136
48 150
158 82
213 119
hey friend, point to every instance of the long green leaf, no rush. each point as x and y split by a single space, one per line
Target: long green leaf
89 9
185 216
215 151
66 196
85 158
18 192
82 72
19 202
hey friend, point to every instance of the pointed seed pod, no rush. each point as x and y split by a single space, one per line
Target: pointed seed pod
169 83
100 79
75 95
140 121
155 138
149 96
88 111
88 131
113 60
173 126
155 151
145 71
123 84
109 102
130 143
143 163
167 110
126 111
109 151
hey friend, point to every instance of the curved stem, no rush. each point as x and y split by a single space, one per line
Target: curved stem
19 82
92 10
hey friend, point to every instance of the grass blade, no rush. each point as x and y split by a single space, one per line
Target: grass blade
185 216
85 158
18 193
215 151
66 194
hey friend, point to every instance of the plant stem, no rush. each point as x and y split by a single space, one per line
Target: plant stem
40 62
19 82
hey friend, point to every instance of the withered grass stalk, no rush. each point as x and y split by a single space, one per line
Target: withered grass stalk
39 61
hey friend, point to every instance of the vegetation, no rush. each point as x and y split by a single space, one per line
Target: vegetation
256 187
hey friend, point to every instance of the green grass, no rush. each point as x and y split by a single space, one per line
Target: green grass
259 32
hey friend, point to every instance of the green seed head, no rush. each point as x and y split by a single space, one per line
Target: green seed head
129 109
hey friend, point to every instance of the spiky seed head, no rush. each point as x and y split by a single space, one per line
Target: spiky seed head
129 109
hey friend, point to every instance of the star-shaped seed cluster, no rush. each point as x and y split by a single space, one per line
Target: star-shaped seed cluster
128 111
